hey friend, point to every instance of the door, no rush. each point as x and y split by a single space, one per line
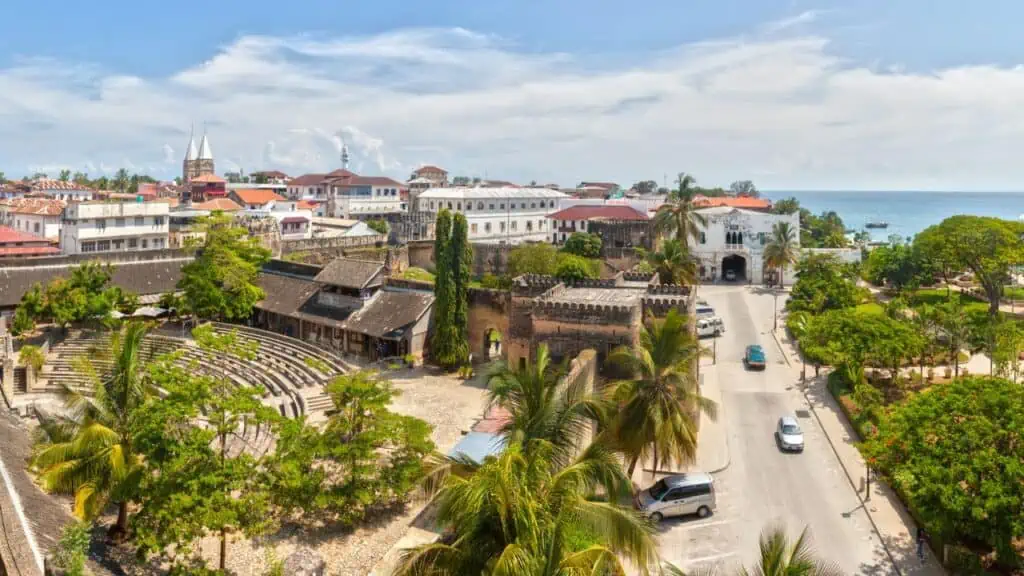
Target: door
671 503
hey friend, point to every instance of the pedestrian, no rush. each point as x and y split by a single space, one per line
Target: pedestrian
922 536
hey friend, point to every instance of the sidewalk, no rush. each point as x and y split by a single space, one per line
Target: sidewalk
712 442
888 516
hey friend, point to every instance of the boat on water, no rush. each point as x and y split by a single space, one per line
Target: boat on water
877 224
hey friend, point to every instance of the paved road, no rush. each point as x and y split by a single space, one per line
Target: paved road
762 486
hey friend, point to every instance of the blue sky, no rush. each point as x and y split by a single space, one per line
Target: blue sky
240 66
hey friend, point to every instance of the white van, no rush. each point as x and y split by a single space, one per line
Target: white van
678 495
710 327
705 311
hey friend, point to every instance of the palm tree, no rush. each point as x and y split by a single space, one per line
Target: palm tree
543 406
673 263
121 179
654 416
781 250
518 515
89 452
780 557
679 216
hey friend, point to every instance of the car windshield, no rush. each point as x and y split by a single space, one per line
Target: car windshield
790 429
659 490
756 352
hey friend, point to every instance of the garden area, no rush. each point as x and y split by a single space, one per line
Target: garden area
929 379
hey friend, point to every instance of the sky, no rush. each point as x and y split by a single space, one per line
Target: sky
792 94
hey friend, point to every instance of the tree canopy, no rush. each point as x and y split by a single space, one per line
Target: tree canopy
583 244
453 256
956 454
899 265
823 283
544 258
85 295
221 282
744 187
985 246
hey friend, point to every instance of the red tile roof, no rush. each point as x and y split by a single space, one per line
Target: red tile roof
429 168
307 180
37 206
748 202
270 174
222 204
294 220
376 181
208 178
340 173
52 184
598 184
611 212
9 235
29 251
257 195
306 205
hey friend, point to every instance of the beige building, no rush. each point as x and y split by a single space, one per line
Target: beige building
88 227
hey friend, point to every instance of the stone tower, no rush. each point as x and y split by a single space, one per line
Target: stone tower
197 163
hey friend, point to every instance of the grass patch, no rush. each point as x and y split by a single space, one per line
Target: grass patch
417 274
1013 292
935 296
870 308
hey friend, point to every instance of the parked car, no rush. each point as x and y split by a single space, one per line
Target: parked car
678 495
707 327
788 435
730 275
754 357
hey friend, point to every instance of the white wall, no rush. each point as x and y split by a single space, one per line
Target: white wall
113 227
754 228
35 224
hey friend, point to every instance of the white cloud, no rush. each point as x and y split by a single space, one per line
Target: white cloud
778 107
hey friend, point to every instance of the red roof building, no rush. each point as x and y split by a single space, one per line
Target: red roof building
619 226
603 212
744 202
15 244
255 198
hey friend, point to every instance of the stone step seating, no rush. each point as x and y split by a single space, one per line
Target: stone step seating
300 348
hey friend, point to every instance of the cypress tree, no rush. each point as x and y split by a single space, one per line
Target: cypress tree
460 259
441 344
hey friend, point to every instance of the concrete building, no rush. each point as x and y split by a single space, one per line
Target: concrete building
204 187
255 199
182 227
438 176
582 219
340 228
365 197
114 227
36 216
734 240
61 190
495 215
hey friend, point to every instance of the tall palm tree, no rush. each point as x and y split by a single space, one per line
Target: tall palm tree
543 406
673 263
89 452
679 216
782 249
121 179
518 515
655 415
781 557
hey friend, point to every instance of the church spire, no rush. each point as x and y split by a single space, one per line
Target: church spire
204 148
190 152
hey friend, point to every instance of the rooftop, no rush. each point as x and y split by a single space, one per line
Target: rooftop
606 212
349 273
222 204
257 195
429 168
38 206
463 192
9 235
208 179
724 210
748 202
626 296
307 180
52 184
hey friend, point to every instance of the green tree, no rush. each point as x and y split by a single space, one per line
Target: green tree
583 244
445 335
786 206
94 457
985 246
33 356
121 180
955 453
823 283
539 258
516 515
65 175
782 249
846 339
220 282
645 187
31 308
673 263
378 225
573 268
205 479
73 548
953 322
744 187
460 262
1007 343
679 216
779 556
659 404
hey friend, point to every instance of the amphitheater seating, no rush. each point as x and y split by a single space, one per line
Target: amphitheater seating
291 373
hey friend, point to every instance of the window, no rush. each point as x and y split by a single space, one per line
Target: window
469 206
119 222
449 205
118 244
540 224
158 221
533 204
158 243
487 228
490 206
480 206
36 227
139 220
501 226
88 246
103 246
431 204
133 243
529 226
458 206
763 237
145 244
703 238
101 224
674 495
472 228
514 223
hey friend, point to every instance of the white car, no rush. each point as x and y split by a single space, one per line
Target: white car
789 435
730 275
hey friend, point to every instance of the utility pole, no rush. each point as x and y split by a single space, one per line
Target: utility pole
775 310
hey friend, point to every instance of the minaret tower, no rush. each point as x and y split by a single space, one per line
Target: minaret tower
344 155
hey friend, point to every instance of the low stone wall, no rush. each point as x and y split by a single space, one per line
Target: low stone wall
336 245
487 258
114 258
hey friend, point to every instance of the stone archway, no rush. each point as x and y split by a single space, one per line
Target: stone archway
737 265
492 344
488 315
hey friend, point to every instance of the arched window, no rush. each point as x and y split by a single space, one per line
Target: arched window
529 226
449 204
487 228
479 205
458 206
739 238
431 204
533 205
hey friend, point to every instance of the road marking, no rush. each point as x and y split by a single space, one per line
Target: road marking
692 525
710 558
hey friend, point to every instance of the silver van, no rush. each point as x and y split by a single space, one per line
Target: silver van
678 495
710 327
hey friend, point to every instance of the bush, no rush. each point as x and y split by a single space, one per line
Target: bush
73 548
583 244
493 282
574 268
379 226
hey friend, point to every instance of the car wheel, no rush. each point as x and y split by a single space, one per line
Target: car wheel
703 512
657 517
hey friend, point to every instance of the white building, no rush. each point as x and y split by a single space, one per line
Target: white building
114 227
35 216
494 215
734 240
366 197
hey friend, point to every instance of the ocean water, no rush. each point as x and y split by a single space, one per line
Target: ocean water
906 212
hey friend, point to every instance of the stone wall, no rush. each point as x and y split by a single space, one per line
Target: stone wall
114 258
487 258
331 245
421 254
488 310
